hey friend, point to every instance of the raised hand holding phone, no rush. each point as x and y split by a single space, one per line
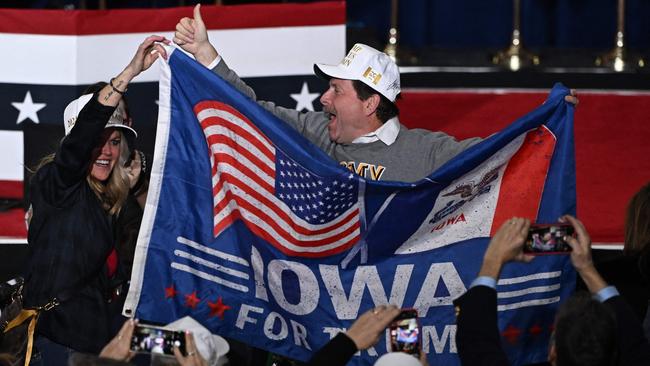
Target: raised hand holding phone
152 339
548 239
405 332
193 357
365 331
119 347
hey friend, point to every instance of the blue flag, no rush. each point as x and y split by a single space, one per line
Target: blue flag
263 238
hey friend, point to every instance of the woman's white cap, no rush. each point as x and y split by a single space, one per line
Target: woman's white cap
119 119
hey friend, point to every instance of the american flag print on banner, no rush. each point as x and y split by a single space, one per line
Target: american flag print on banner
294 210
263 238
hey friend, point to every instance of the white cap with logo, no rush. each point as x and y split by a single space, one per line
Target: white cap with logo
119 119
366 64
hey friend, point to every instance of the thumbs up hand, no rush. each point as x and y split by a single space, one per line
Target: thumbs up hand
192 36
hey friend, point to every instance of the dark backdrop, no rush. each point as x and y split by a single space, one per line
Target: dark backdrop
457 23
471 23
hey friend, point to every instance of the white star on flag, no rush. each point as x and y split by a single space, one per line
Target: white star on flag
305 98
28 109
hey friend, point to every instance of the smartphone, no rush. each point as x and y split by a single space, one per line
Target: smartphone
405 333
152 339
548 239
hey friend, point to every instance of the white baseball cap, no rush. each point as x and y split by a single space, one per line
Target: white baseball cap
366 64
397 359
119 119
212 347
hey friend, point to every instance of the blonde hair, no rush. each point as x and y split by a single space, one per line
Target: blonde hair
637 222
115 190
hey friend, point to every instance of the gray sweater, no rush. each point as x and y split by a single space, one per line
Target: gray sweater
414 155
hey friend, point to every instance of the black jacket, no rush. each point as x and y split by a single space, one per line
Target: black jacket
629 274
477 333
337 352
70 237
478 339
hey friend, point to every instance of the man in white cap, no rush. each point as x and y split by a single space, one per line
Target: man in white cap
358 126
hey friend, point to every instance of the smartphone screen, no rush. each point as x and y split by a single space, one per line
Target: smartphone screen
150 339
405 332
548 239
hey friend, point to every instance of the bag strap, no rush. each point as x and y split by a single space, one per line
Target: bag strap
20 319
33 314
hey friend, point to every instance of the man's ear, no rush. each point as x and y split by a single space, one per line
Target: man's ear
552 354
370 105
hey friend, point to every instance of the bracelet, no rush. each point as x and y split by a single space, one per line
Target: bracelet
110 82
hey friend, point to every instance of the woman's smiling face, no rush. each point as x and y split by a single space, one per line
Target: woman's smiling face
106 155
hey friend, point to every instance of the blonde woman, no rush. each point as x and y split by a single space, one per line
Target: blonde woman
76 197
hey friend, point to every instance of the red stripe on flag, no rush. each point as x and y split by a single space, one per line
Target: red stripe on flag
93 22
268 204
289 236
223 158
524 178
220 139
225 107
13 224
240 132
272 238
269 238
226 221
11 189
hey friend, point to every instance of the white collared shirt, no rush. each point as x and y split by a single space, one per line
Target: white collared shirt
387 133
214 63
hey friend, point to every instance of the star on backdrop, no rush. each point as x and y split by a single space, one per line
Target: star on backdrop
28 109
304 98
